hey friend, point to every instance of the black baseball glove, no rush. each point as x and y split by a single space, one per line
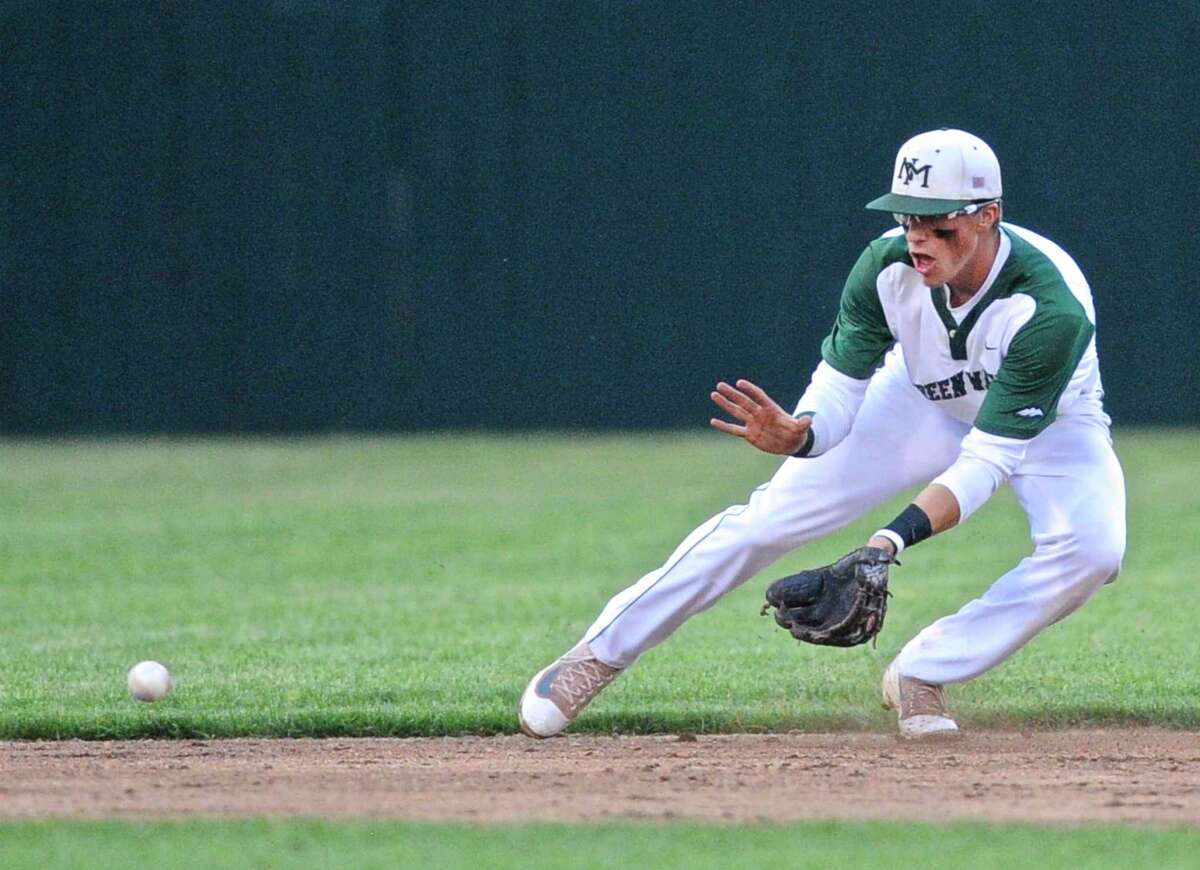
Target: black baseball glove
842 604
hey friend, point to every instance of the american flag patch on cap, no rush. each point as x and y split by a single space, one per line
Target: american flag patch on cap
976 181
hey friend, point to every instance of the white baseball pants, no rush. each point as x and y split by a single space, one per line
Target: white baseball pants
1069 484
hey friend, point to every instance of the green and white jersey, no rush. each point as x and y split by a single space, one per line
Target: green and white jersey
1017 355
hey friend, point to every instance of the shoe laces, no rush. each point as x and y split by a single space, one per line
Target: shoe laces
579 681
923 699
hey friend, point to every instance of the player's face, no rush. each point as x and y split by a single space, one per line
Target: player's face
948 251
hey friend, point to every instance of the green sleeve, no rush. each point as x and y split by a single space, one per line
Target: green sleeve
860 335
1042 357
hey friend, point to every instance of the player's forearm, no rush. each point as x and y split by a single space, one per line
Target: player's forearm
832 400
984 463
940 506
940 511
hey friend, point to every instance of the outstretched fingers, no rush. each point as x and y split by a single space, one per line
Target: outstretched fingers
755 392
737 396
728 428
729 407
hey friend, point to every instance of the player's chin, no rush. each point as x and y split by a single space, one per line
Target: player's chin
933 275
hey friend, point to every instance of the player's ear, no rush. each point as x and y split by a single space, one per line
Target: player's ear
990 215
993 211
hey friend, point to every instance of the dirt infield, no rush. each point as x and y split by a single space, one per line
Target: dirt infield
1147 776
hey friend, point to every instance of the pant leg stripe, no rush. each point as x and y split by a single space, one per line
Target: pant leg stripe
729 512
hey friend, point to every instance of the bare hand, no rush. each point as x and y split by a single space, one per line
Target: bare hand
765 425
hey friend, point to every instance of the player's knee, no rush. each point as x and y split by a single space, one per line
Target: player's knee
1108 562
1099 556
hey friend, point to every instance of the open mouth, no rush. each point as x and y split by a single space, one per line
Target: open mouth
923 263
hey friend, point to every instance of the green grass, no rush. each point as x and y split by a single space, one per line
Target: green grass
410 586
261 844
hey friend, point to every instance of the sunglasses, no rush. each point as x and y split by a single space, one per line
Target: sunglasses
970 208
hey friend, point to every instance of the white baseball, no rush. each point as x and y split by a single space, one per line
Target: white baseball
149 681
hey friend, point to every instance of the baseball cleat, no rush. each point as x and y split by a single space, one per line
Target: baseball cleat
558 693
920 707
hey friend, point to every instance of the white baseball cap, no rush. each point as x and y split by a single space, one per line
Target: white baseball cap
939 172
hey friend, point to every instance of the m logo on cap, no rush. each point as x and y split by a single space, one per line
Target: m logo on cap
909 170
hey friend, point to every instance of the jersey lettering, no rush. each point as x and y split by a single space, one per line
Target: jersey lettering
955 387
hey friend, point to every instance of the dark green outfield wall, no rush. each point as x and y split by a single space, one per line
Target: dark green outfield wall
290 216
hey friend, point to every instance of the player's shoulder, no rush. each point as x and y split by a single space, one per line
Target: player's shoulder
1041 269
889 248
1039 264
880 254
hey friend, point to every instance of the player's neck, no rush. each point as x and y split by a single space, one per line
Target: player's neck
966 283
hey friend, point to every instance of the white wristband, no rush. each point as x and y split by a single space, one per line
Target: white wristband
893 537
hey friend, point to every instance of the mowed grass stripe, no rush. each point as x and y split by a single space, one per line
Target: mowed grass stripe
410 586
267 844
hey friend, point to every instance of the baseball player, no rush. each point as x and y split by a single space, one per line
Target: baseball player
963 357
